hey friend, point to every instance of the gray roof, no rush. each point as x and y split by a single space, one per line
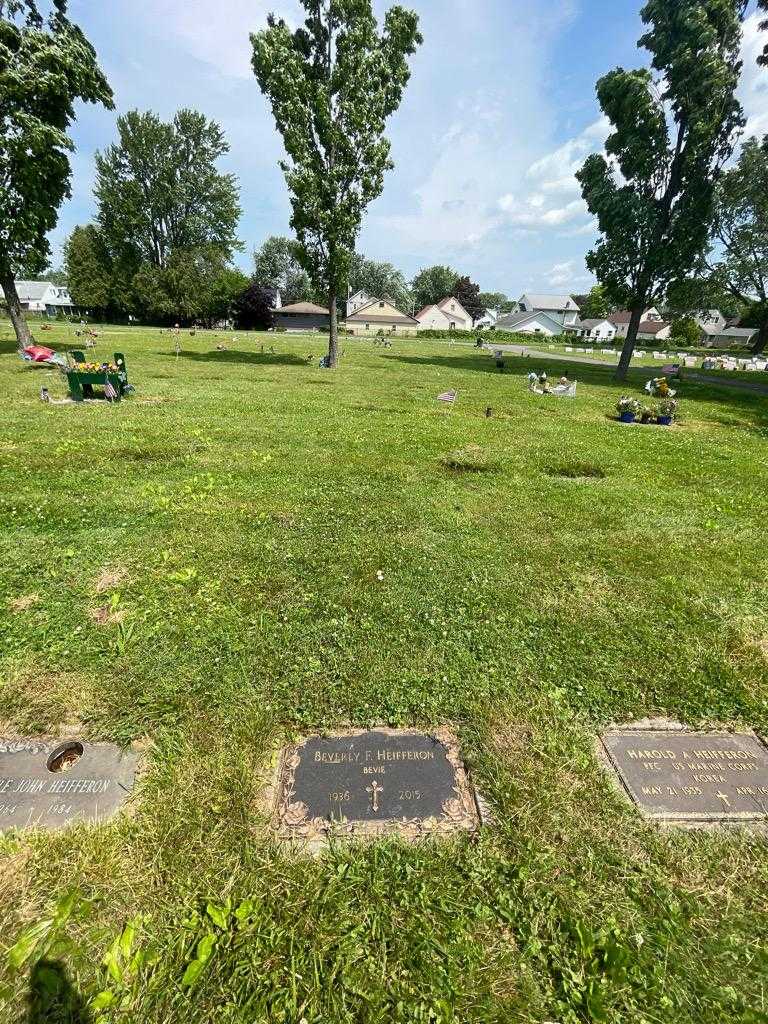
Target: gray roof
550 302
513 321
736 332
31 291
590 323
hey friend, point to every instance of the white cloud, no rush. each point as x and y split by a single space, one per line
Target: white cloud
219 36
566 275
753 88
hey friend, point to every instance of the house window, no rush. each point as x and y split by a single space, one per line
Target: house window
381 305
453 325
394 328
367 327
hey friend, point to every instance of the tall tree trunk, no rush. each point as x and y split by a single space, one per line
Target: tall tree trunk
761 340
333 340
629 342
20 326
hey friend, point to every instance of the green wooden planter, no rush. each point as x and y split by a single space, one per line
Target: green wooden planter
81 382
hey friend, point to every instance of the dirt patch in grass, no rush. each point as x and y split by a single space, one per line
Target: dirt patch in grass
471 459
106 616
22 604
109 579
576 471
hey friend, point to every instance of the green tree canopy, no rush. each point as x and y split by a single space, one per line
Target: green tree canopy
277 265
497 301
194 285
597 305
673 129
159 191
332 85
685 331
763 58
468 295
380 279
45 65
739 259
433 284
88 269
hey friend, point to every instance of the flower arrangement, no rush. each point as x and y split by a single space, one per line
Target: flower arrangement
666 411
95 367
627 406
658 386
646 414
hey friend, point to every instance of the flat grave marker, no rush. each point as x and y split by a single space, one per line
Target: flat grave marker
368 782
691 776
50 784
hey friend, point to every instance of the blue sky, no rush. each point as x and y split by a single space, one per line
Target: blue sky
500 111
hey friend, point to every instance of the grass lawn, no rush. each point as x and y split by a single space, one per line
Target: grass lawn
228 523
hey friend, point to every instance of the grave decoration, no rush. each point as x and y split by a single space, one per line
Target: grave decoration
694 777
50 784
83 375
366 783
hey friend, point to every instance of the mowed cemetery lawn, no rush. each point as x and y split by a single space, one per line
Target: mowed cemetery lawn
198 570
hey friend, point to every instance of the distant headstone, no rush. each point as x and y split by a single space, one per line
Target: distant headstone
52 784
692 776
373 782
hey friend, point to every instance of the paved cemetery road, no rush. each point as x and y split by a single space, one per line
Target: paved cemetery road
698 378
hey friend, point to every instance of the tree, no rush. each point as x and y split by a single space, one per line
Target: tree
468 295
45 65
433 284
763 58
159 192
741 235
193 285
381 280
597 306
332 84
253 308
277 265
497 301
672 133
685 331
88 269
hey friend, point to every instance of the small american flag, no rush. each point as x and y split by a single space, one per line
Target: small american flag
109 392
447 396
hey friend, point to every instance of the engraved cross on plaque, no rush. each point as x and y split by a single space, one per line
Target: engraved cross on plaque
724 798
374 789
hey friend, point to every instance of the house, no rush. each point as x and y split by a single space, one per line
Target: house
302 316
562 307
43 297
446 315
592 329
531 323
488 320
653 330
359 299
380 315
728 337
620 319
711 321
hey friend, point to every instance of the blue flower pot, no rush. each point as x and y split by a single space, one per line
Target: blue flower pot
627 417
664 421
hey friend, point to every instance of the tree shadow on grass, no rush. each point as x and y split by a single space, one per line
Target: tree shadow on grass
250 358
746 402
52 998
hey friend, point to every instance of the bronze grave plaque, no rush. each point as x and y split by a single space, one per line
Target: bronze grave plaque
692 776
373 781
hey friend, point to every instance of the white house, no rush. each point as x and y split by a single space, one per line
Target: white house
358 300
488 320
446 315
532 322
711 321
594 330
560 306
43 297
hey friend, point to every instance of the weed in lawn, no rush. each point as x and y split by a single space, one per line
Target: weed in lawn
471 459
